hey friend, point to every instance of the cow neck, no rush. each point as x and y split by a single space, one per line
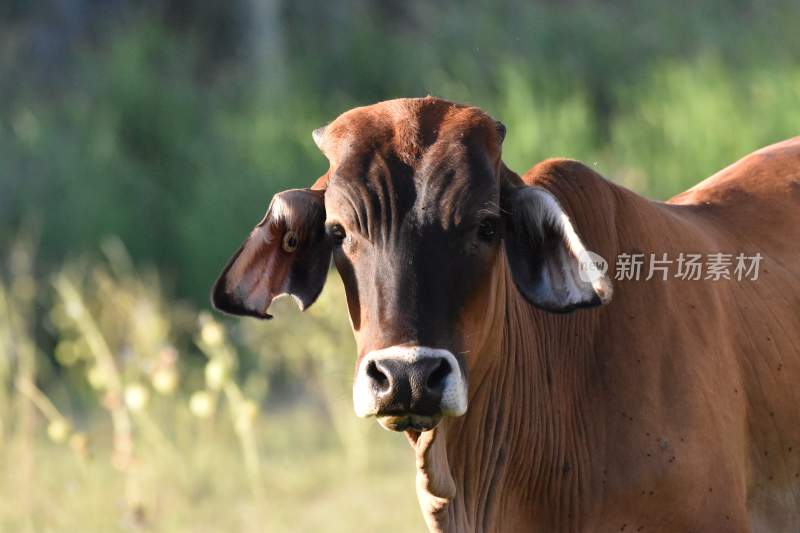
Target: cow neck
523 443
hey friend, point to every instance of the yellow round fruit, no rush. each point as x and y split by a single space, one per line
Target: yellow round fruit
164 380
136 397
216 372
59 429
212 333
201 404
97 377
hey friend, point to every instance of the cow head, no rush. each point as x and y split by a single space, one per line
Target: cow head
419 214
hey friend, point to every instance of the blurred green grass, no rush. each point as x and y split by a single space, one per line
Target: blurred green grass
140 142
309 486
113 446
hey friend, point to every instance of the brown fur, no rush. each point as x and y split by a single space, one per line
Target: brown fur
674 408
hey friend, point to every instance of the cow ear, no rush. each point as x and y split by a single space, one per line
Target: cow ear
550 264
287 253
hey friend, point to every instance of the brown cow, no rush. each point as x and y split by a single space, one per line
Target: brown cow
676 407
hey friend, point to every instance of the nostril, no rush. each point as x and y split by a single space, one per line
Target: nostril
375 373
440 372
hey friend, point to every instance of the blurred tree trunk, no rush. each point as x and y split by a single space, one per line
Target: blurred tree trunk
265 40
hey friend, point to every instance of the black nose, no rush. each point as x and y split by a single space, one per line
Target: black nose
402 387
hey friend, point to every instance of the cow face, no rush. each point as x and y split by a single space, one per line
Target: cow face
415 209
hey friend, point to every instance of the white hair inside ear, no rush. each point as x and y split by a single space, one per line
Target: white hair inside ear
566 275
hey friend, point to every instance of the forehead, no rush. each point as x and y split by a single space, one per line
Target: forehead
414 153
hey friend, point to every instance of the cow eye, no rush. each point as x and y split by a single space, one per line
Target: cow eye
487 229
337 233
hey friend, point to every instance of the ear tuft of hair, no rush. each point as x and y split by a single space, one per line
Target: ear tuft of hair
318 135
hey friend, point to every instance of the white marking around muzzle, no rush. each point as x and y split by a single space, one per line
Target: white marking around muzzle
454 397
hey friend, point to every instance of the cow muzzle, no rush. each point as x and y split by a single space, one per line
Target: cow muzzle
409 387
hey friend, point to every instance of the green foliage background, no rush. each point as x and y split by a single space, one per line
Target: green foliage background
171 125
141 140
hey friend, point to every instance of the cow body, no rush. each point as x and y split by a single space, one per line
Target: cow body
537 399
676 408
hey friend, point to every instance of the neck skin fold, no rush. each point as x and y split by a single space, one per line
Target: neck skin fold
503 458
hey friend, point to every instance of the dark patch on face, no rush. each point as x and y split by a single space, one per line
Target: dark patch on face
413 255
347 272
